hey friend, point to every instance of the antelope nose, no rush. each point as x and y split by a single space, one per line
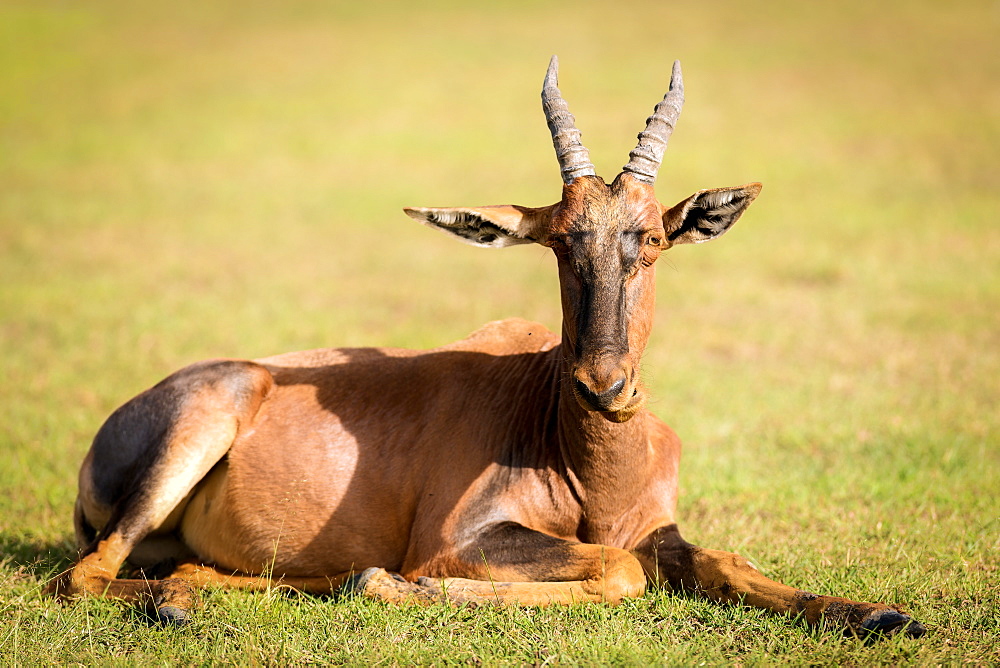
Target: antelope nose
599 399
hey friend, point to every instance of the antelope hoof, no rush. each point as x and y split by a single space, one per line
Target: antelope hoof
886 623
355 585
380 584
174 601
369 581
171 615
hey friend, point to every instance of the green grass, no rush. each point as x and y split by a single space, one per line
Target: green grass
187 180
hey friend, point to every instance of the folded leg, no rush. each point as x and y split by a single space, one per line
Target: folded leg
729 578
511 564
144 462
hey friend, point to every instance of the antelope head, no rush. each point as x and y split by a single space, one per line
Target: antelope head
606 239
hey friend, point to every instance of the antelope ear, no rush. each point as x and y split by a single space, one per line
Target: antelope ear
707 214
488 226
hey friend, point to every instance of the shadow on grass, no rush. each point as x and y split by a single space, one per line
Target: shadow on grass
36 556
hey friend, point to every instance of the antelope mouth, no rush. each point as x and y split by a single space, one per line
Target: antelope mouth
620 409
635 404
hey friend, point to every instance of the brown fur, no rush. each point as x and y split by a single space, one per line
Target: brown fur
513 466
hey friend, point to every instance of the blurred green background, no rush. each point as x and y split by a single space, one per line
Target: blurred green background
188 180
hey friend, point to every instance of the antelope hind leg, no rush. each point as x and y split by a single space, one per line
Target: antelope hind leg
203 575
145 460
729 578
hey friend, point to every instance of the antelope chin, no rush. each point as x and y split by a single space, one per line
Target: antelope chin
635 404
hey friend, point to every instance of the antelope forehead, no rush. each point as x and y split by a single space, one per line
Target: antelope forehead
604 223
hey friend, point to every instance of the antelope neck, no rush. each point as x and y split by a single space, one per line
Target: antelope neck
601 457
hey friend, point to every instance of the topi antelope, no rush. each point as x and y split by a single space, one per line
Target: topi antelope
516 466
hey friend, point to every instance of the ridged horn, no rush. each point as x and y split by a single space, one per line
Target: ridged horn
574 158
645 158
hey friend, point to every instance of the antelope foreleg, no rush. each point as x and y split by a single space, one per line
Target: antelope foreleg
513 565
729 578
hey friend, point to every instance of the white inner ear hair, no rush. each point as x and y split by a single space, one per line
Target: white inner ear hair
722 201
451 217
470 227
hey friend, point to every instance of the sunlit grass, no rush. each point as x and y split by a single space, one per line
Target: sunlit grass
188 180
